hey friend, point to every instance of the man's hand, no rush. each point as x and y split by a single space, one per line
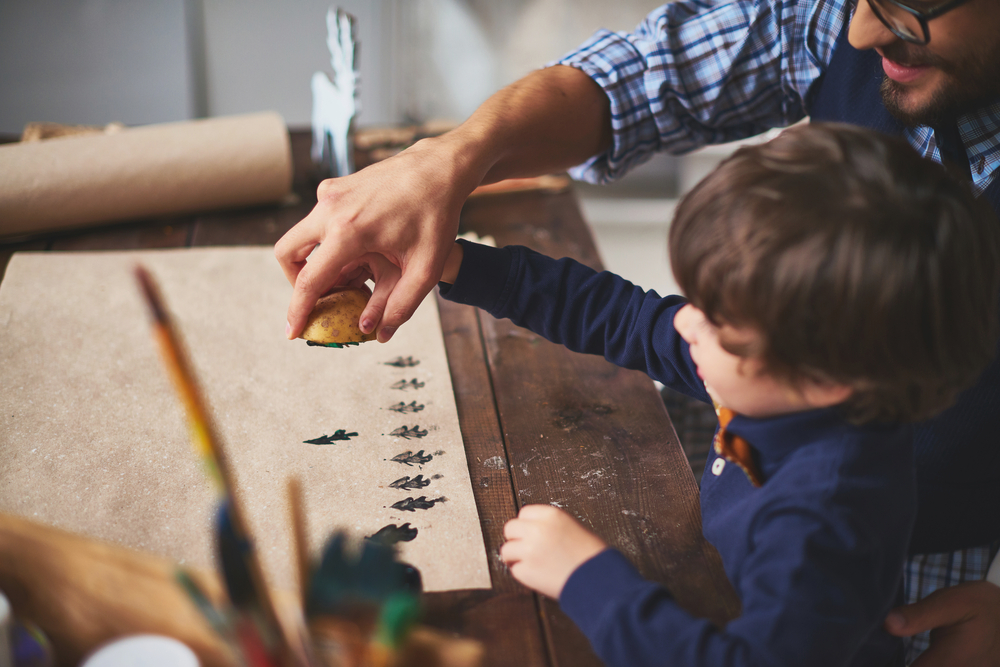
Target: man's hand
964 621
404 208
545 545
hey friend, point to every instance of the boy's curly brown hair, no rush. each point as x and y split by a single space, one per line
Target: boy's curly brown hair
856 260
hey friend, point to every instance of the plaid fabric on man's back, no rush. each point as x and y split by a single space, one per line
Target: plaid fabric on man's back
926 573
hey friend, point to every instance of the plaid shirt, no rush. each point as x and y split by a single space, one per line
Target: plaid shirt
699 72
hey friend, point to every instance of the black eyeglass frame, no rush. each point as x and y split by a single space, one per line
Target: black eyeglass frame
922 17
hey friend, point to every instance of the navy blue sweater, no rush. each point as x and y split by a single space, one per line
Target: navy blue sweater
815 553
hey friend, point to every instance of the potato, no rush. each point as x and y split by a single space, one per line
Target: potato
334 320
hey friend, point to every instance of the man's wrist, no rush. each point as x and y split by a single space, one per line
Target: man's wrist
467 153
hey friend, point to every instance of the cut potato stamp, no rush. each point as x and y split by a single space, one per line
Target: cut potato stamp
334 322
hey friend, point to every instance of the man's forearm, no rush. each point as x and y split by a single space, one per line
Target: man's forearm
548 121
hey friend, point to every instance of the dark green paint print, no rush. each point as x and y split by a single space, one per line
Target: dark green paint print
339 435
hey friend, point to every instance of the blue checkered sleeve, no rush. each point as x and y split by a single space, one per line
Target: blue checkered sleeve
698 72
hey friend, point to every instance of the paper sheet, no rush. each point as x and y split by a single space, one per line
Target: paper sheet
94 440
144 171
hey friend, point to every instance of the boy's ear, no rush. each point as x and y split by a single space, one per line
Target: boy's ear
824 394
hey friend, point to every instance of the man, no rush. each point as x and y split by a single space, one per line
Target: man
697 73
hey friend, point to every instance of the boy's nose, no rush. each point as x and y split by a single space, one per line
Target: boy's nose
867 31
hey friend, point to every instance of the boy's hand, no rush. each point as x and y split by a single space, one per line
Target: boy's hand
964 621
545 545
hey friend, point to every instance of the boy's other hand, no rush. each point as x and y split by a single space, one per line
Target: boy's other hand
545 545
964 621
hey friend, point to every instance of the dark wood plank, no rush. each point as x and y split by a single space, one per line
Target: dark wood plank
501 621
505 618
305 175
262 225
484 445
593 438
549 223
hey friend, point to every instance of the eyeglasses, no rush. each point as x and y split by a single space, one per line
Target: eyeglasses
907 23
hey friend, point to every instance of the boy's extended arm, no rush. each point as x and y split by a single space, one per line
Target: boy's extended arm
573 305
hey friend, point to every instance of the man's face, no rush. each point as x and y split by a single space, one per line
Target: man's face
957 70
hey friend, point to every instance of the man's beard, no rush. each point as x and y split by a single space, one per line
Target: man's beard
968 84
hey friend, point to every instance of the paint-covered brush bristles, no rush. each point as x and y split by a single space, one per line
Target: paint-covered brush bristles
336 346
215 618
258 636
398 615
362 602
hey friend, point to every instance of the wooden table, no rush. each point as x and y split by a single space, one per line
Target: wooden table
570 429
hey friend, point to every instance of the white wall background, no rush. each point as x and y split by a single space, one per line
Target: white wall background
261 54
148 61
143 61
464 50
93 61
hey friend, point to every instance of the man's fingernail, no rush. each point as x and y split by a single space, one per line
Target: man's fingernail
386 334
367 325
288 330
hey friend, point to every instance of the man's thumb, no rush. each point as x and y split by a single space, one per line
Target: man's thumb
945 606
896 624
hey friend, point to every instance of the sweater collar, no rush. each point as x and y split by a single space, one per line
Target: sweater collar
774 439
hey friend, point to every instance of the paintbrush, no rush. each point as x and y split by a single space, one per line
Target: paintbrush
301 539
260 633
300 544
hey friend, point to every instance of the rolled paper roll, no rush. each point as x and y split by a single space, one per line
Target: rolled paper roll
146 171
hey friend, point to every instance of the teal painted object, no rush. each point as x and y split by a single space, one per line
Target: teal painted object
335 345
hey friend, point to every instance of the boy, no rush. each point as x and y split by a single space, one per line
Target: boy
840 287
